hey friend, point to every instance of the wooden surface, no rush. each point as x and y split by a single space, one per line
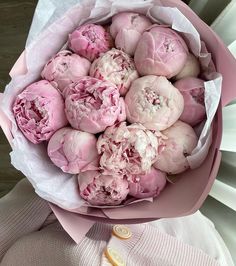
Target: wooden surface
15 20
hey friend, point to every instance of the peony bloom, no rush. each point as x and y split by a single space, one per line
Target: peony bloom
101 189
116 67
160 51
190 69
192 90
90 40
64 68
127 28
148 185
39 111
154 102
73 151
92 105
180 144
127 149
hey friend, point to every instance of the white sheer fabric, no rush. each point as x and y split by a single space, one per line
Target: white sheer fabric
220 206
225 23
208 10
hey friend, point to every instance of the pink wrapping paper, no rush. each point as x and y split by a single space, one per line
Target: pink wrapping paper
179 199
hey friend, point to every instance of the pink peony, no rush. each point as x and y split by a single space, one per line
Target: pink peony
190 69
116 67
160 51
127 28
92 105
180 144
39 111
73 151
192 90
154 102
101 189
90 40
148 185
127 149
64 68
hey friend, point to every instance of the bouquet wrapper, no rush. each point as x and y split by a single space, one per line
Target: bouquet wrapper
187 194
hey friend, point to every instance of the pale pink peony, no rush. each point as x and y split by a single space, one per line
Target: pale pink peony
180 144
154 102
116 67
39 111
127 149
73 151
101 189
92 105
90 40
64 68
148 185
190 69
127 28
160 51
192 90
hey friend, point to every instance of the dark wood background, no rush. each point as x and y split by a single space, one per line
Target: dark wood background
15 20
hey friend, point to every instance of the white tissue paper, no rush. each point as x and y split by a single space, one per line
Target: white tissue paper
48 34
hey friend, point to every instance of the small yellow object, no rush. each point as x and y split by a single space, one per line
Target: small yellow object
114 257
105 261
121 231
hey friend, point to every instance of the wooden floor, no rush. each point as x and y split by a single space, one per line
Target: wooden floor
15 20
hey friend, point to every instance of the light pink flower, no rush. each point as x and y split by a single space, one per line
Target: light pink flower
148 185
90 40
190 69
127 149
160 51
64 68
180 144
127 28
100 189
73 151
39 111
91 105
192 90
116 67
154 102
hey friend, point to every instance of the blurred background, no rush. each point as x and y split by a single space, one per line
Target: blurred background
15 20
220 206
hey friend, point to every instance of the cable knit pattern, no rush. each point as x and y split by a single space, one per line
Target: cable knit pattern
21 212
30 236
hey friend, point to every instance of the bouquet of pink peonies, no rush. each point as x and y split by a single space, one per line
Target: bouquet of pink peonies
123 114
76 100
